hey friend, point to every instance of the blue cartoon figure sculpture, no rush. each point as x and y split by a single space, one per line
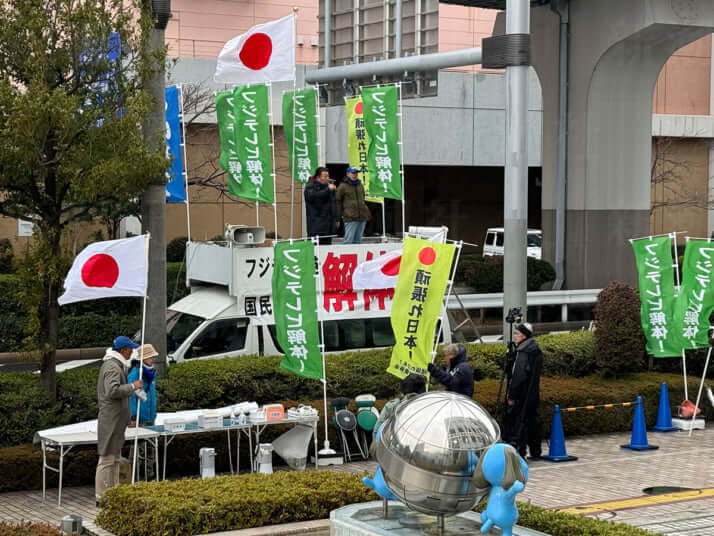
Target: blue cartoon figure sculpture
507 473
377 483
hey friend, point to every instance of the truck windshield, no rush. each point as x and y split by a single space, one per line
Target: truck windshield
178 327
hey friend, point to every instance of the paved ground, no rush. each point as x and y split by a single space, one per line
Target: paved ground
604 473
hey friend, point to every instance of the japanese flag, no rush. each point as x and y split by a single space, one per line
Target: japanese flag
264 53
379 273
107 270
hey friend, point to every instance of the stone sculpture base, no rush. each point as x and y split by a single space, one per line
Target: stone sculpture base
366 519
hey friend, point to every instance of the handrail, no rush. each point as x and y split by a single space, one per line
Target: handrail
541 297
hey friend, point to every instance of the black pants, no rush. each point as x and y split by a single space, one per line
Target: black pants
523 430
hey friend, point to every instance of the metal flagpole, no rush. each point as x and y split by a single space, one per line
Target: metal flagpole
401 161
141 361
684 352
272 152
699 394
319 150
185 166
294 160
318 287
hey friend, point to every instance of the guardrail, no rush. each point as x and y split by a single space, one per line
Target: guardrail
494 300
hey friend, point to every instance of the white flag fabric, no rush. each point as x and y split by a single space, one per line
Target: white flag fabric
108 269
264 53
379 273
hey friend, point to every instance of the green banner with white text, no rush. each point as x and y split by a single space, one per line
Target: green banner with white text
295 308
253 141
300 125
225 115
423 274
695 301
381 121
656 283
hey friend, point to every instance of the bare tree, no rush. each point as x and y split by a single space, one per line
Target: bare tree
670 177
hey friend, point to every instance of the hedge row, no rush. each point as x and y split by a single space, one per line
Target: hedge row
187 507
84 324
28 529
485 274
22 465
216 383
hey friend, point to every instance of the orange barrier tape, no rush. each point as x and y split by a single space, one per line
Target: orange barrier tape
606 406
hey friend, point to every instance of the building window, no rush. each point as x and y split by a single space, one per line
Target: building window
24 228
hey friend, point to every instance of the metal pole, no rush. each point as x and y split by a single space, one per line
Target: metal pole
425 62
398 29
141 359
327 30
185 167
401 162
272 153
699 394
561 180
515 199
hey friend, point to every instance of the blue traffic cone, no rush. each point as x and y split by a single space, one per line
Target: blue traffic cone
664 413
638 441
556 450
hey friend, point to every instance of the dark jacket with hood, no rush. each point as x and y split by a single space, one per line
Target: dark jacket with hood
320 209
458 377
524 375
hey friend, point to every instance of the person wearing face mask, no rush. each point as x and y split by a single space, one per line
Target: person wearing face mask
147 408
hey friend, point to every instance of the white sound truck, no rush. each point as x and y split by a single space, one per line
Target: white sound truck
229 311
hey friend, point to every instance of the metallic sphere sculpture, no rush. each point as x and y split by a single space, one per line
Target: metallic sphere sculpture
429 449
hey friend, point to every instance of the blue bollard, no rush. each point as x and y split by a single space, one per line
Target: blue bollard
664 413
638 440
556 450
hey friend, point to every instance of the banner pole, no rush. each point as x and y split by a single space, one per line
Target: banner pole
272 153
257 214
319 150
401 160
293 162
318 287
699 394
185 166
141 361
445 304
678 285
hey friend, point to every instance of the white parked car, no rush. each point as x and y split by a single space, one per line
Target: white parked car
493 244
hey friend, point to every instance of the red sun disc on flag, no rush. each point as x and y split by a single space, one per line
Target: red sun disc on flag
100 270
256 51
391 267
427 256
358 108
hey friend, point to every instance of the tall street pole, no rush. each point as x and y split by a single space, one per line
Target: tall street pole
153 202
515 202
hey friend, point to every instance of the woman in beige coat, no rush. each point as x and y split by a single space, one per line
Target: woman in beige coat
113 394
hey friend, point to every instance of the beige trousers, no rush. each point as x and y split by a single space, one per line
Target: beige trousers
107 474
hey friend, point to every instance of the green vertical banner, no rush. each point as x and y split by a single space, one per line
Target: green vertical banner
300 125
423 273
295 308
381 120
358 142
253 141
655 271
225 115
695 300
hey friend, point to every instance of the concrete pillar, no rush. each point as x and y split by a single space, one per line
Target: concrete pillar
617 50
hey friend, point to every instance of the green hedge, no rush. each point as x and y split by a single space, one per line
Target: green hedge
485 274
187 507
28 529
84 324
216 383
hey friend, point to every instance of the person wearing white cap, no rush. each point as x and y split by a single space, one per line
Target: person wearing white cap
521 425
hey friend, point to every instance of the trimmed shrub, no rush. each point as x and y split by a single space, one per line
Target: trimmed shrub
6 256
227 503
176 249
28 529
485 274
619 341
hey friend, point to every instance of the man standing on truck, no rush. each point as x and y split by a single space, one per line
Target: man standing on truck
459 376
320 208
351 206
113 394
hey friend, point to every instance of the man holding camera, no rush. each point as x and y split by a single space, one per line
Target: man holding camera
521 425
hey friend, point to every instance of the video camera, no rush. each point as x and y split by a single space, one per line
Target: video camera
514 315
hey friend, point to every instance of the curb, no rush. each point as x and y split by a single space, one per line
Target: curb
303 527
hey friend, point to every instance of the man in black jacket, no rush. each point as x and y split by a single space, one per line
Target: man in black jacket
521 425
458 376
320 207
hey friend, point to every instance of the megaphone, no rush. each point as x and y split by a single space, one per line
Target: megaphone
244 235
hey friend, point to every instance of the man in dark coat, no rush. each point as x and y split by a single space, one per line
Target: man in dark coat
458 376
320 208
113 392
351 206
521 425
